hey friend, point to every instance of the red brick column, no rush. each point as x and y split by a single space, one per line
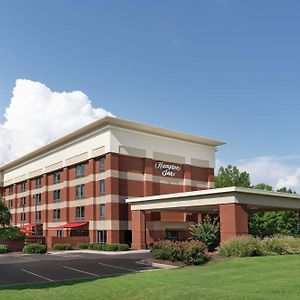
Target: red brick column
233 220
138 229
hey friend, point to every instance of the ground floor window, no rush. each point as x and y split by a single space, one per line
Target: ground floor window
79 232
171 234
101 236
59 233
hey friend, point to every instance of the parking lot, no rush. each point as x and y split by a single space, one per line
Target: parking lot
24 269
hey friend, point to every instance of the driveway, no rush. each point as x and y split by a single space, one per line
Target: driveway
24 269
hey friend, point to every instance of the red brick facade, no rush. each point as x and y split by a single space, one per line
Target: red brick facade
124 176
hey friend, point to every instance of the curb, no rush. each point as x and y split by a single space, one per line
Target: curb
98 252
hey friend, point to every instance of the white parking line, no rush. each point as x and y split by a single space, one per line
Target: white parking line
116 267
84 272
37 275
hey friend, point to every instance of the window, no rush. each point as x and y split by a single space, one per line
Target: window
38 216
38 182
171 234
79 170
102 211
10 204
102 164
10 190
38 199
56 215
102 236
59 233
102 187
56 177
23 201
80 191
56 195
23 217
79 213
23 186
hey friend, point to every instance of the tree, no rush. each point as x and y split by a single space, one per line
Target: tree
273 222
263 186
231 176
5 215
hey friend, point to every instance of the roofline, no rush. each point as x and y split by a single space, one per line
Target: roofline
108 120
215 191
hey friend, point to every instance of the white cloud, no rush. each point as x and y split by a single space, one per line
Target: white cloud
277 171
37 116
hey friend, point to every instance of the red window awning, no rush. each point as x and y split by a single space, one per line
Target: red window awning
75 225
27 231
31 225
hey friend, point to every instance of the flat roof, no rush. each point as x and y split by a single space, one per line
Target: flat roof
112 121
214 197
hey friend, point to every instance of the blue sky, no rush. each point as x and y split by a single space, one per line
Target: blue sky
219 68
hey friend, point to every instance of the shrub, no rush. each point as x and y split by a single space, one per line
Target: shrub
123 247
82 246
58 247
240 246
93 246
191 252
11 233
111 247
67 247
206 231
34 248
4 249
62 247
250 246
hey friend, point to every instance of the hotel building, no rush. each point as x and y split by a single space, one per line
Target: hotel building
75 188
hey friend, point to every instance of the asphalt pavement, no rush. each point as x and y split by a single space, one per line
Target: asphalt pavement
24 269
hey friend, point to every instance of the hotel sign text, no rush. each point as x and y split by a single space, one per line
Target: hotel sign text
167 169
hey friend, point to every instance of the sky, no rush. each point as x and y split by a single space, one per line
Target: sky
225 69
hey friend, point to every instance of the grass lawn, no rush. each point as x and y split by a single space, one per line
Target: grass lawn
273 277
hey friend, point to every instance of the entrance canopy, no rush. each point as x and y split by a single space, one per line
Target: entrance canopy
232 204
210 200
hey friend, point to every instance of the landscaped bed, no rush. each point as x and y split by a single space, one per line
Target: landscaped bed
272 277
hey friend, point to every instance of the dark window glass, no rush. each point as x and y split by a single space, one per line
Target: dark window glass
79 170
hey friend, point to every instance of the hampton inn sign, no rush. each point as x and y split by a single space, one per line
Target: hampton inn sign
96 185
167 169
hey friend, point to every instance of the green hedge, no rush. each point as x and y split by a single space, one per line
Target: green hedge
191 252
11 233
104 247
248 245
62 247
4 249
82 246
34 248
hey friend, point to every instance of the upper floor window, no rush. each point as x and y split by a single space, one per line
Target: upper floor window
102 211
56 195
56 215
79 213
102 164
10 204
23 201
38 182
37 198
38 216
102 186
79 170
56 177
23 217
23 186
10 190
80 191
